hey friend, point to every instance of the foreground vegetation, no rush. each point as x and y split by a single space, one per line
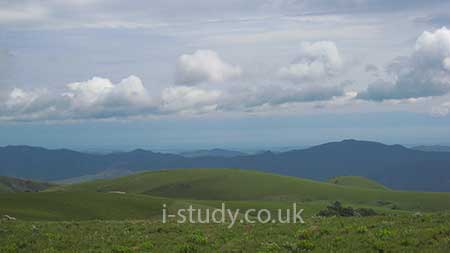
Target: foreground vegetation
393 233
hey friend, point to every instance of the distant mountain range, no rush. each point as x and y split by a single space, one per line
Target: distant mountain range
213 152
433 148
394 166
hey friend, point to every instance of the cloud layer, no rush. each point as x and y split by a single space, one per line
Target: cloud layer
204 83
142 13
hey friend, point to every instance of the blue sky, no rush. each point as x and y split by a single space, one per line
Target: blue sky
244 74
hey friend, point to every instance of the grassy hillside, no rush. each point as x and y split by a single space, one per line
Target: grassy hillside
80 206
232 184
141 196
9 184
357 181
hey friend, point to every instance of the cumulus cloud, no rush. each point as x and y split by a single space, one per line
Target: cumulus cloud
316 61
424 73
204 66
102 92
95 98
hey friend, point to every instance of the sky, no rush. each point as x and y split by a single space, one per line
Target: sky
243 74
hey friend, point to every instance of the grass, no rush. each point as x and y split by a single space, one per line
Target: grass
357 181
400 233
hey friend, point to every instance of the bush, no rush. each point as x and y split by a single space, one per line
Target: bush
362 229
300 246
198 238
270 247
336 209
187 248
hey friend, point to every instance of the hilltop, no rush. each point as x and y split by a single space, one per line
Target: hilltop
356 181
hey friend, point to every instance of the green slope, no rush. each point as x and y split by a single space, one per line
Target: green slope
357 181
80 206
10 184
63 206
232 184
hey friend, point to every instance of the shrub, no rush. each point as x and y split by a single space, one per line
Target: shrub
270 247
187 248
304 234
299 246
305 245
336 209
362 229
198 238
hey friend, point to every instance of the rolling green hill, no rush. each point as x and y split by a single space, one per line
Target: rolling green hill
141 196
10 184
243 185
357 181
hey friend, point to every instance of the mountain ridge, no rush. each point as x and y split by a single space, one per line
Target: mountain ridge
394 166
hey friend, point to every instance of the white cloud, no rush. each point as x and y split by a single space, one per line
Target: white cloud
424 73
101 92
316 61
189 99
19 98
204 66
29 105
